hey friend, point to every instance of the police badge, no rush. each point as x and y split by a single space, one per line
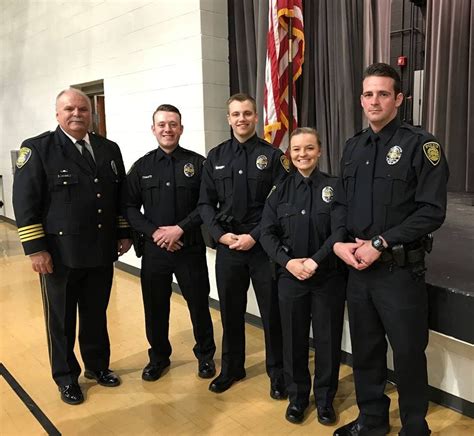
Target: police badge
432 151
327 194
23 156
188 169
394 155
262 162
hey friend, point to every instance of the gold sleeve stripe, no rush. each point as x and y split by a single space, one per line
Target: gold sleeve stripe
30 233
32 237
122 222
32 226
25 232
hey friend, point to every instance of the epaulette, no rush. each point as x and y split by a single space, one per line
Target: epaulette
422 134
264 142
142 158
329 176
360 132
98 135
191 152
102 138
219 145
410 127
42 135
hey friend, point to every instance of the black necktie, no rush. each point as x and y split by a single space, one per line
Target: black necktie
86 154
364 185
239 188
305 234
168 200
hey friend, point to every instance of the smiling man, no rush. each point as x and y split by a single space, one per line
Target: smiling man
391 196
238 176
165 182
66 196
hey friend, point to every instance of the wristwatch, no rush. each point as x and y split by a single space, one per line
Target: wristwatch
377 243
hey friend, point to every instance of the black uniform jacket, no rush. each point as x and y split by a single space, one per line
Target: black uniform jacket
63 207
146 181
282 220
266 166
409 184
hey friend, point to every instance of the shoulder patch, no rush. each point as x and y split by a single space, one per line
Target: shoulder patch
285 163
272 190
432 151
23 156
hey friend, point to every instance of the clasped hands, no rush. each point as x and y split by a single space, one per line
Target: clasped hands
359 254
302 268
168 237
241 242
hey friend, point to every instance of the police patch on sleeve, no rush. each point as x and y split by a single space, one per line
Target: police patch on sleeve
285 163
23 156
188 169
394 155
327 194
432 151
262 162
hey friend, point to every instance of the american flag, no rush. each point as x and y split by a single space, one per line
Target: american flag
279 51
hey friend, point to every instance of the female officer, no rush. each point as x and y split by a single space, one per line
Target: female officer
296 234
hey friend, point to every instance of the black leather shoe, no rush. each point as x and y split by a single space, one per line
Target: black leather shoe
326 415
278 389
295 413
356 429
71 394
153 371
105 378
207 369
222 383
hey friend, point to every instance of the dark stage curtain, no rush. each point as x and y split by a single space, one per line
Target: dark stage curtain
448 110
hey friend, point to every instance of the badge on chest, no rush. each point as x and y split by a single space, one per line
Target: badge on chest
188 169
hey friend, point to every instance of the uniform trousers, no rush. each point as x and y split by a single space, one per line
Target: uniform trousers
65 292
318 301
190 268
234 269
387 300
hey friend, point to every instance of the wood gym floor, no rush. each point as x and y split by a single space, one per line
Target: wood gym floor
177 404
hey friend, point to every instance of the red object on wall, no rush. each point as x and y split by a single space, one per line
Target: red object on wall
402 61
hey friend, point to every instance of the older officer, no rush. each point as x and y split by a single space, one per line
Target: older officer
166 183
393 194
296 234
66 201
238 175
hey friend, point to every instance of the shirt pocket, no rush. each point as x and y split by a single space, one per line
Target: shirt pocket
287 214
150 190
391 184
223 181
349 176
264 184
63 187
187 190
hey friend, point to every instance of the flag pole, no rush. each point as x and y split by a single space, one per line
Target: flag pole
290 76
